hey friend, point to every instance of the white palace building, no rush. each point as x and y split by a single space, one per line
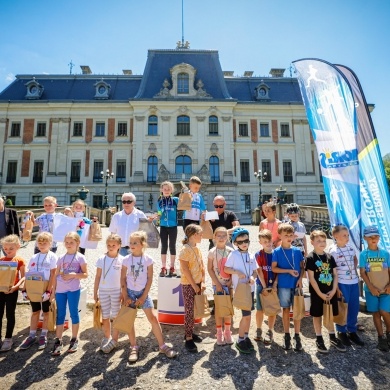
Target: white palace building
183 116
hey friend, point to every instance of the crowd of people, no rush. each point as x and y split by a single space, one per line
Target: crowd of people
125 273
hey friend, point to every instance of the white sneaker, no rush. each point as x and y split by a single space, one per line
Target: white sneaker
7 345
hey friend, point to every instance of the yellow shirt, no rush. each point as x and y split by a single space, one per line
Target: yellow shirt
195 263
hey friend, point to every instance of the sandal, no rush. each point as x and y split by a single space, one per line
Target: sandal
163 272
168 351
133 357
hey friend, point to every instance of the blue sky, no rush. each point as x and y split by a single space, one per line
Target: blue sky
43 36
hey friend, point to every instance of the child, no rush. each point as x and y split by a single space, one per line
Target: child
78 210
271 223
267 279
348 284
45 261
374 264
70 269
293 219
288 263
167 212
192 281
242 265
8 300
321 268
107 289
45 221
197 206
137 278
221 282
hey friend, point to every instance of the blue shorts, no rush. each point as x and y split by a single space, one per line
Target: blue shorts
374 304
133 295
259 289
286 297
224 288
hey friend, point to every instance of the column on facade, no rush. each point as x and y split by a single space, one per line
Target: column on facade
303 148
138 150
166 136
227 149
200 135
3 129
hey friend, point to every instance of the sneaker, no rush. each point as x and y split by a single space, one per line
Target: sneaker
103 342
382 344
134 354
190 346
338 344
321 346
220 340
73 346
249 344
242 347
287 342
269 337
28 342
57 348
353 336
297 343
343 337
172 272
227 336
42 342
258 336
7 345
163 272
196 338
112 344
169 352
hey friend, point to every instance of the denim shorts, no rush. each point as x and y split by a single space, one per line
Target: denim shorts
374 304
133 295
286 297
224 288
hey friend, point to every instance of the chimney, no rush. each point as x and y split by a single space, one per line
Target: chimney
86 69
248 73
228 73
277 72
127 71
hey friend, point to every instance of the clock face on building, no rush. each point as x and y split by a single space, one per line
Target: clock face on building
102 89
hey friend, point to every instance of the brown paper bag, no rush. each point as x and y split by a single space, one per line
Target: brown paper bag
299 305
341 318
242 298
95 232
27 231
379 279
97 315
35 289
52 316
125 319
270 303
207 229
7 275
201 306
223 306
153 236
185 201
327 316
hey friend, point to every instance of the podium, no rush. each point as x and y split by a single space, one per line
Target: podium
170 304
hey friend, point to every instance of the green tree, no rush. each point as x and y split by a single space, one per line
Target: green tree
8 202
387 171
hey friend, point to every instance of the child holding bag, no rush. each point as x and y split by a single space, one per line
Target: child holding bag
137 278
107 289
221 282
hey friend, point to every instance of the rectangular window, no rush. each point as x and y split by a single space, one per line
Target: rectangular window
73 198
266 167
284 130
97 201
289 198
38 172
12 198
183 128
11 171
322 199
243 129
15 129
245 203
287 172
37 200
122 129
77 129
97 168
120 171
118 202
264 130
244 170
75 169
41 129
100 129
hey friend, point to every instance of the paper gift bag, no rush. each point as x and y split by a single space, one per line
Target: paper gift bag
327 316
207 230
27 231
97 315
201 306
299 305
35 286
52 316
270 303
8 271
153 236
125 319
379 279
341 318
95 231
242 298
185 201
223 306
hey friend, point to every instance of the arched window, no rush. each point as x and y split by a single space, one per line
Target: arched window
152 125
214 169
152 168
183 164
183 125
182 83
213 125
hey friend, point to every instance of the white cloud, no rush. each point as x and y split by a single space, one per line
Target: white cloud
10 77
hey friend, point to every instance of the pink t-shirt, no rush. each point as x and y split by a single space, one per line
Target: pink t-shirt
67 264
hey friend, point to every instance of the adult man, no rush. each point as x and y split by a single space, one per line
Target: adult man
226 218
9 223
126 221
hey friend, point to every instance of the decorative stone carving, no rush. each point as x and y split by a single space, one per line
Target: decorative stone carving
200 118
226 118
3 120
183 109
152 149
183 148
201 92
214 148
139 118
182 45
102 90
165 91
162 174
153 110
165 118
34 89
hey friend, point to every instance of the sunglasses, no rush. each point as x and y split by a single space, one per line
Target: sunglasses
216 206
247 241
127 201
135 242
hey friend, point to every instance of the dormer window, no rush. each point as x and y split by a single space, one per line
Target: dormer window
262 92
102 90
182 83
34 89
183 80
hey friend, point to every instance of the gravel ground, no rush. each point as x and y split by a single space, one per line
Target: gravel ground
212 367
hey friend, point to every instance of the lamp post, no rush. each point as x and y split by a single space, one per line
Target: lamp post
280 192
83 192
260 176
150 201
106 176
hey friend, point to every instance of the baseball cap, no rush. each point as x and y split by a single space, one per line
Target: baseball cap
370 231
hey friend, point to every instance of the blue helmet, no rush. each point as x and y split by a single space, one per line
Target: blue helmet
238 232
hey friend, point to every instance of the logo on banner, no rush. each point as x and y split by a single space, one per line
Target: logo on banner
345 158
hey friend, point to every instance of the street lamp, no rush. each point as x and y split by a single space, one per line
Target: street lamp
106 176
83 192
260 176
280 192
150 201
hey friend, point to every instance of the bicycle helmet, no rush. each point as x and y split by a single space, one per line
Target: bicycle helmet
239 232
292 208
